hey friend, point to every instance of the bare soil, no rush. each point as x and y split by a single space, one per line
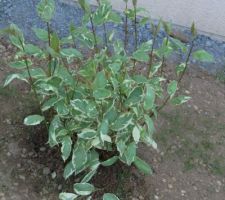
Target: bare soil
190 163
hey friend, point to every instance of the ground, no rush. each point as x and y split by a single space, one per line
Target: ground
189 165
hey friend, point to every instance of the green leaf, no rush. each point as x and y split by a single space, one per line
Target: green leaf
121 147
111 114
87 134
69 170
54 125
142 166
84 5
114 17
55 42
67 196
180 68
122 122
15 35
136 133
87 108
180 100
109 196
102 93
88 70
88 176
83 189
35 73
65 75
66 147
20 64
100 81
140 79
79 158
149 99
61 108
150 125
46 9
31 49
172 88
11 77
177 44
49 103
104 129
130 153
33 120
203 56
134 97
41 34
155 68
144 21
141 56
110 161
71 53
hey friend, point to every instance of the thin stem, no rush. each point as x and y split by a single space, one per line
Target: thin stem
164 58
49 44
126 28
104 28
32 83
187 61
74 42
105 34
180 78
155 31
135 27
94 33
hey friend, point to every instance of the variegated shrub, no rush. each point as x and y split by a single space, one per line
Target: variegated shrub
100 105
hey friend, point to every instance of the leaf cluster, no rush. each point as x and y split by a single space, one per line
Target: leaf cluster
101 106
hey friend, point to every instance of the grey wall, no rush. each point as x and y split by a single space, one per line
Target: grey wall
209 15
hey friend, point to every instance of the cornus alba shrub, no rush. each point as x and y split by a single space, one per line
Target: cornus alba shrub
99 107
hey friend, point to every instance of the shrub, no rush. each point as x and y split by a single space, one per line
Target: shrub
100 106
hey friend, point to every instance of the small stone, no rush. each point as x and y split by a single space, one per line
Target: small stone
24 150
8 121
8 154
2 194
30 154
195 188
141 197
15 184
42 149
53 175
22 177
219 183
156 197
164 180
187 92
183 192
46 171
60 187
195 107
174 179
170 186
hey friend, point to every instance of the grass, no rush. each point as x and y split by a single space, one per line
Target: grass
220 76
8 92
191 143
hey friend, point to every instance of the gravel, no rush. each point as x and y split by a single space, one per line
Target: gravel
70 12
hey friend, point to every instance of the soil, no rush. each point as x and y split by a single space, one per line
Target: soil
189 165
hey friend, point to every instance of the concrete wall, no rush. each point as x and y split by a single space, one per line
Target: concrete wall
209 15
